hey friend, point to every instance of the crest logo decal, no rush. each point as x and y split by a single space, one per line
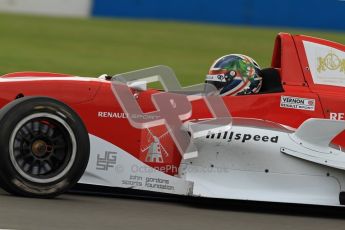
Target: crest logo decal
330 62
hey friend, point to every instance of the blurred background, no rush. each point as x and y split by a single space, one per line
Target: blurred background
92 37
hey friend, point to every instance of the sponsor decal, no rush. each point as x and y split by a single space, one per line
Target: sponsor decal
158 183
297 103
154 148
216 77
106 161
133 180
242 137
112 115
148 182
104 114
336 116
330 62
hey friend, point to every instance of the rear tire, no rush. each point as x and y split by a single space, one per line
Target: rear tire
44 147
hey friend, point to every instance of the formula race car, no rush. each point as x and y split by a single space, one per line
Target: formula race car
284 144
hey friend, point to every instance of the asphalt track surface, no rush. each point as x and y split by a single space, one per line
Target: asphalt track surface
71 211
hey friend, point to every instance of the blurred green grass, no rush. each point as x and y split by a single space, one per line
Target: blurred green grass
90 47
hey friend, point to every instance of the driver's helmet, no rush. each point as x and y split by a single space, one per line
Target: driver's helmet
235 74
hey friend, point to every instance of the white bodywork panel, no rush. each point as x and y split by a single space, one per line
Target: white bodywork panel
247 163
111 166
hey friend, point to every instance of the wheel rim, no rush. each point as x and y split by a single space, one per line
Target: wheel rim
42 148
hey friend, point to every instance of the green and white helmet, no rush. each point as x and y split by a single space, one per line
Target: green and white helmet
235 74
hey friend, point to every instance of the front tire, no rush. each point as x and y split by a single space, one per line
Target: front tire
44 147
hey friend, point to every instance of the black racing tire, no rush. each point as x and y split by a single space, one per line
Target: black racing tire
44 147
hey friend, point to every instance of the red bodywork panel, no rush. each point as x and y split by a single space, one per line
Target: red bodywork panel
94 101
35 74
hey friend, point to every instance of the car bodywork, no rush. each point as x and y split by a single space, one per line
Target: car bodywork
284 145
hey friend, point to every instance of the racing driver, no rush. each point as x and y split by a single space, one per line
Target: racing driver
235 74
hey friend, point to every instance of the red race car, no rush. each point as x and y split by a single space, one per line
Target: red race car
284 143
